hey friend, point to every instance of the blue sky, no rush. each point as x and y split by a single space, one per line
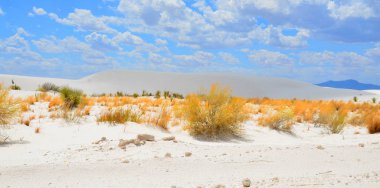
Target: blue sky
308 40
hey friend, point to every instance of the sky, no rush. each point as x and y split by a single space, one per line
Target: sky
307 40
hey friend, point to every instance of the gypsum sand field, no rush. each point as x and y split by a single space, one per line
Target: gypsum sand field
78 151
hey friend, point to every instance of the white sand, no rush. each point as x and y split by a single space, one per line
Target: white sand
63 155
241 85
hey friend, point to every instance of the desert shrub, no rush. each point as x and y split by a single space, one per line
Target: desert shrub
120 116
9 107
281 120
15 87
45 87
162 118
373 100
355 99
135 95
157 95
214 114
332 117
167 94
119 94
178 96
71 97
373 122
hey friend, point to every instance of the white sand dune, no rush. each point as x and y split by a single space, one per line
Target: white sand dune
242 85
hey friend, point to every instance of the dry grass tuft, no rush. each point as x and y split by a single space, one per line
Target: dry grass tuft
9 107
162 118
373 122
214 114
281 120
120 116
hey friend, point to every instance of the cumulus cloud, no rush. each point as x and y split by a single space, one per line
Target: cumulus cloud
351 10
73 45
228 58
39 11
199 58
334 58
84 20
269 58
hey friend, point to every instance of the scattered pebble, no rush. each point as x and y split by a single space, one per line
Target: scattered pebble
219 186
169 138
168 155
361 145
320 147
246 182
145 137
188 154
125 161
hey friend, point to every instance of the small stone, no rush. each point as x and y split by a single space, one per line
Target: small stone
123 143
188 154
246 182
219 186
137 142
320 147
101 140
169 138
125 161
168 155
145 137
361 145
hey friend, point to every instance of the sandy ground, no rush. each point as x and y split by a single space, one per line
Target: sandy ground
64 155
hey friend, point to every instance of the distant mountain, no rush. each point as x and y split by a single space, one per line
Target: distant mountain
348 84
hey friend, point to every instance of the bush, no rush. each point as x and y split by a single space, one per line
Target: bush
71 97
120 116
281 120
332 118
157 95
214 114
9 108
162 118
15 87
373 123
48 87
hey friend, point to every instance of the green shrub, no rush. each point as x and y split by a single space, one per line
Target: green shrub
15 87
157 95
71 97
215 114
48 87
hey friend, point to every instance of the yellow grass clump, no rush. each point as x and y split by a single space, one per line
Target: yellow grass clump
280 120
9 107
120 116
214 114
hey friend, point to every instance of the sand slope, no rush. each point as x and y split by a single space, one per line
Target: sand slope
242 85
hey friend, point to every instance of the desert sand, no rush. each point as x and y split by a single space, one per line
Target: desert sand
184 83
87 154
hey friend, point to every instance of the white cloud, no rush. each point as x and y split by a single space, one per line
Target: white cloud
334 58
228 58
198 58
269 58
351 10
84 20
374 52
15 51
39 11
73 45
